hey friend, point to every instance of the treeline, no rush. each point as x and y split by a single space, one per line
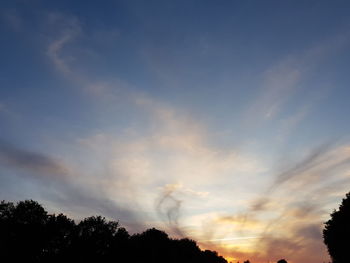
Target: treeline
29 234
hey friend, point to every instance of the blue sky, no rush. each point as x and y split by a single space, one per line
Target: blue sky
185 115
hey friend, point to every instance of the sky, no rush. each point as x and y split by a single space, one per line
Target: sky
223 121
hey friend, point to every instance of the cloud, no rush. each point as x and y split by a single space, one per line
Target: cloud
63 186
280 83
33 162
310 232
169 202
169 207
169 166
312 160
69 28
317 166
287 217
71 49
285 81
82 201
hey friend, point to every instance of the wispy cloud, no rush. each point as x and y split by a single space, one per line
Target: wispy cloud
286 80
288 216
280 83
169 206
37 163
171 162
63 186
69 29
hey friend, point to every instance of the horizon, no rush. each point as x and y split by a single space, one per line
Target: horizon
223 122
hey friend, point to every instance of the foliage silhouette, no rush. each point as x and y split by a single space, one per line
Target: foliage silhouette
282 261
23 231
29 234
336 233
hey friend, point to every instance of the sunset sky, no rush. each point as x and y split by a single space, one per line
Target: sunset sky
223 121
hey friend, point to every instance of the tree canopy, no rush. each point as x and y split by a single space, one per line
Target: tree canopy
29 234
336 233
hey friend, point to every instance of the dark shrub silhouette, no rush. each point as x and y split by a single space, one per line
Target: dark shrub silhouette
29 234
336 233
282 261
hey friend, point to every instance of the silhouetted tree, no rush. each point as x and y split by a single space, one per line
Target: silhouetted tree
152 245
95 236
247 261
185 250
60 232
29 234
336 233
282 261
209 256
22 229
